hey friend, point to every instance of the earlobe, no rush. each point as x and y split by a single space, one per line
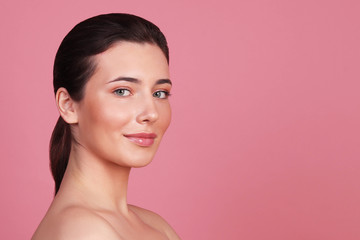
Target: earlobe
66 106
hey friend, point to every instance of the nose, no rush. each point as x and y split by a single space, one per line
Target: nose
148 112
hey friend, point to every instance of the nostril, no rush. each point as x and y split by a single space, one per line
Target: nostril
147 117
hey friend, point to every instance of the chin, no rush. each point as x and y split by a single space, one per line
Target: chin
137 160
140 165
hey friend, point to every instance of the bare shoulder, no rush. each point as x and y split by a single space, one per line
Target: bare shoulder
155 221
76 223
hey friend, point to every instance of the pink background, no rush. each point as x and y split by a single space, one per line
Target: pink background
264 142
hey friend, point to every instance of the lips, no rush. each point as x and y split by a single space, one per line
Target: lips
142 139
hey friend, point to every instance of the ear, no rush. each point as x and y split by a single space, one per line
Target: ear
66 106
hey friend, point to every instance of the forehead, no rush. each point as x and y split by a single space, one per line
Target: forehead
138 60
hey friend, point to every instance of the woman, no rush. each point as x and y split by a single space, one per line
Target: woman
111 82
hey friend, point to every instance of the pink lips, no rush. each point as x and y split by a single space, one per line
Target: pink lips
142 139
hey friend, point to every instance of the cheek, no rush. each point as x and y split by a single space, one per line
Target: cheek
165 117
114 118
106 119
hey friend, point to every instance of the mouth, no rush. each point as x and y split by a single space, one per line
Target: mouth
142 139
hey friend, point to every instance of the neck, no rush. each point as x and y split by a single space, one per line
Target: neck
94 182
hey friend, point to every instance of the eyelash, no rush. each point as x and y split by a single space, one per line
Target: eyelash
167 94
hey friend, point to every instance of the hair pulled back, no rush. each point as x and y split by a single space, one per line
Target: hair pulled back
74 65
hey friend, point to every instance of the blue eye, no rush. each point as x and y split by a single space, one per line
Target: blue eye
161 94
122 92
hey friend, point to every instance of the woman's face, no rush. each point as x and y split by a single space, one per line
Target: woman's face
125 110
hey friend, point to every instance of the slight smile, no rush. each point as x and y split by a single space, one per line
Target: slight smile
142 139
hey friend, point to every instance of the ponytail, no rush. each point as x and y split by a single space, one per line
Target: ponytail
60 146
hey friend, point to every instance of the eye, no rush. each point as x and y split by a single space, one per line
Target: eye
122 92
161 94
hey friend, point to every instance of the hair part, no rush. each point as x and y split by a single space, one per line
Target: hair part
74 65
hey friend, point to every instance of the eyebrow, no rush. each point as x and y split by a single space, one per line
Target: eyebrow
135 80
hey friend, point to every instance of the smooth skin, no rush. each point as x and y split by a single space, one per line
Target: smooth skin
127 94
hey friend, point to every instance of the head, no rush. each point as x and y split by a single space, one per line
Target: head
89 62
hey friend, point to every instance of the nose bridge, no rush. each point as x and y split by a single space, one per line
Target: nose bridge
147 109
